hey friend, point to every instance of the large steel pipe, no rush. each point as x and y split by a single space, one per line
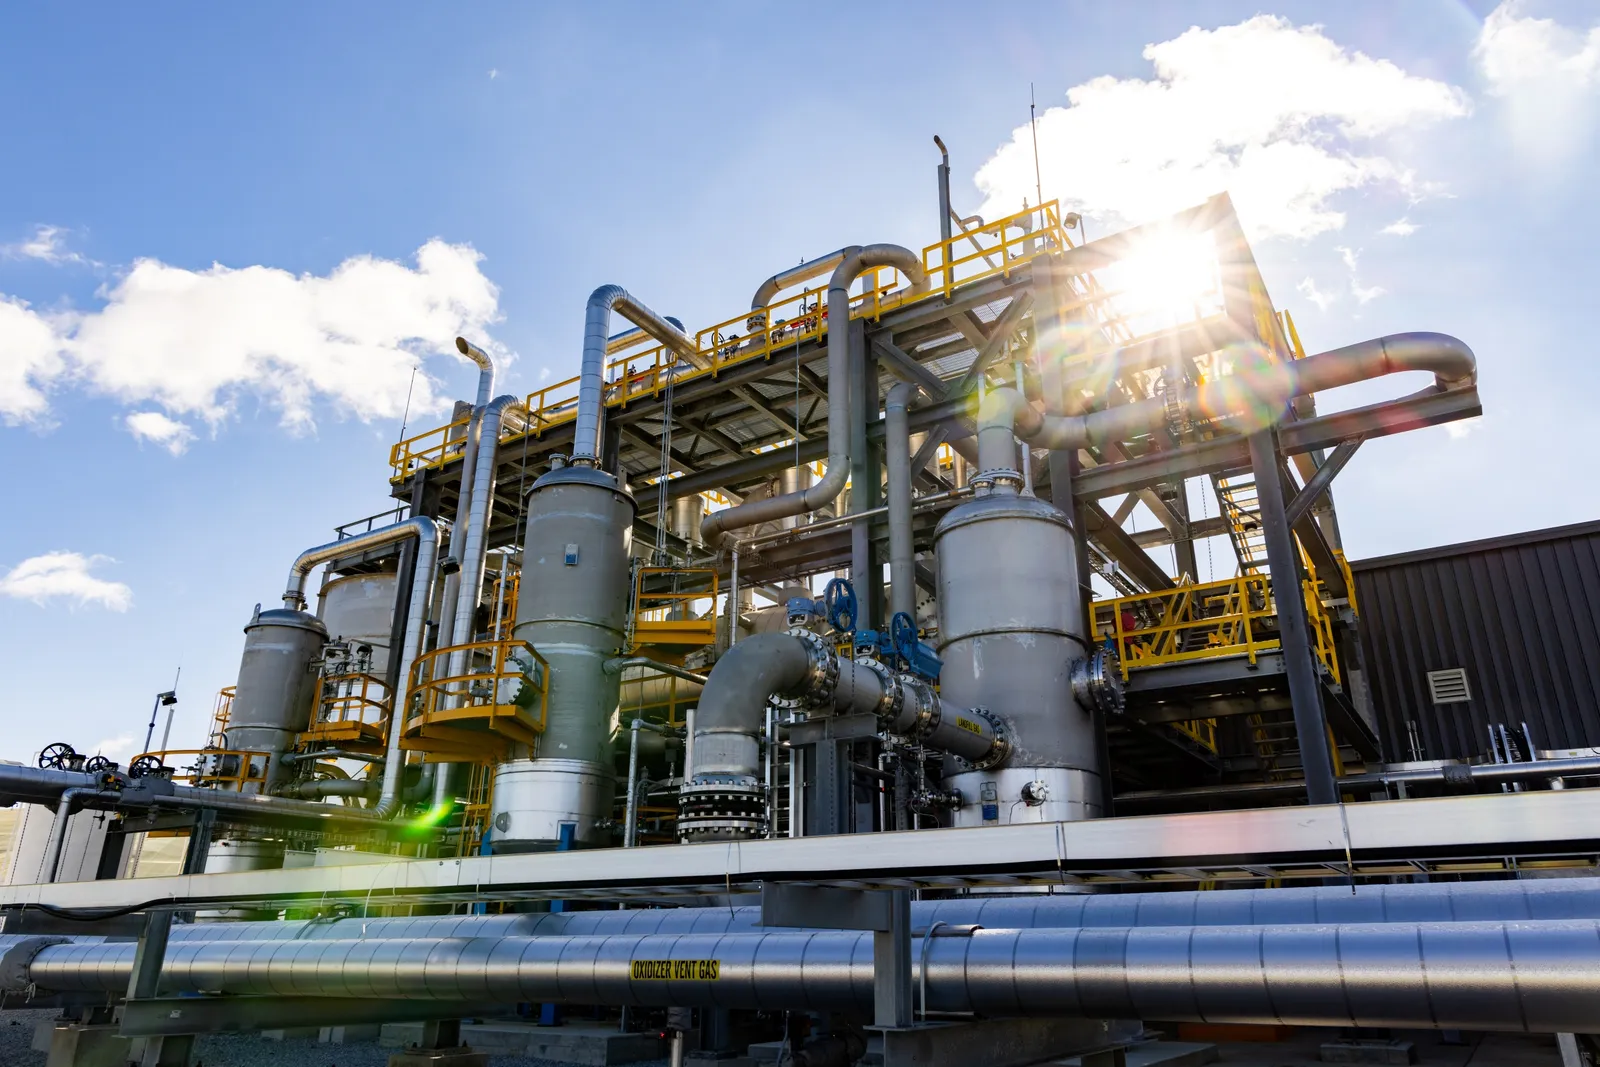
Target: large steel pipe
1544 899
1264 387
853 262
1540 977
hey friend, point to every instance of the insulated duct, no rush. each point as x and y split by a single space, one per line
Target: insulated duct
1519 900
784 279
1539 977
897 458
587 443
474 549
853 261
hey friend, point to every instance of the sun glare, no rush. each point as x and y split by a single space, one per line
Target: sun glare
1164 281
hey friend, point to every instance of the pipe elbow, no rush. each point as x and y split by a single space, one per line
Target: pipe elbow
474 353
900 396
1453 363
1008 409
864 257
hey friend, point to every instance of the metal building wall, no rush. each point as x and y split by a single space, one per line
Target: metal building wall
1521 615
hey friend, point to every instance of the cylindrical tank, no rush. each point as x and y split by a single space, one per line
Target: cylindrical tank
687 511
572 608
360 608
1011 628
277 683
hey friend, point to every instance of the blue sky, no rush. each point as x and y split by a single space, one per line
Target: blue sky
1402 167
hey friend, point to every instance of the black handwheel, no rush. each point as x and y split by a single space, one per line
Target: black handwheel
144 765
55 757
96 764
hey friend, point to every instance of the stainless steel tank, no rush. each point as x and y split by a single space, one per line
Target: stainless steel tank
687 511
360 608
1011 628
277 687
573 608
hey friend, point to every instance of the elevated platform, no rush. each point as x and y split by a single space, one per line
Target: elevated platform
1489 832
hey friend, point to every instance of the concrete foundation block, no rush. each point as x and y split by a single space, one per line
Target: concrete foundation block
1400 1052
348 1035
77 1045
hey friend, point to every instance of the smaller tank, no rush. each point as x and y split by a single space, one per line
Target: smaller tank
359 608
277 684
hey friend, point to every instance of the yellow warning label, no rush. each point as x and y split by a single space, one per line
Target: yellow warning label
679 970
968 725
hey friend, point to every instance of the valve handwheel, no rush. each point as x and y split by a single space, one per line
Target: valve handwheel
96 764
839 598
56 757
144 765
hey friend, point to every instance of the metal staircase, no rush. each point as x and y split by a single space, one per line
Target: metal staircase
1236 493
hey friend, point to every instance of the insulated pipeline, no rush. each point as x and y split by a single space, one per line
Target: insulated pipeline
1539 977
1539 900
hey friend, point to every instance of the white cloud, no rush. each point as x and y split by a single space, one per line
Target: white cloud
119 749
1363 294
1280 116
156 428
1401 227
1463 427
494 72
195 342
1546 75
1307 288
65 575
30 357
47 244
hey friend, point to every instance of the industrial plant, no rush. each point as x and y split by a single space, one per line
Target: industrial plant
796 689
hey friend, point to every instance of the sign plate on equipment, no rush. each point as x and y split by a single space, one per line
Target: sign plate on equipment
680 970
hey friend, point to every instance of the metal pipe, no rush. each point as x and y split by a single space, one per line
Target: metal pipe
728 716
475 542
631 810
622 663
329 753
485 369
294 594
1456 774
855 260
945 231
587 443
389 799
634 334
784 279
319 788
1505 900
1538 977
1266 386
897 448
58 828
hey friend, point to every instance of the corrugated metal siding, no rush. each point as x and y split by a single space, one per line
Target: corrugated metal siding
1521 615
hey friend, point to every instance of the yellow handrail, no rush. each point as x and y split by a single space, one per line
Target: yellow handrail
759 334
477 716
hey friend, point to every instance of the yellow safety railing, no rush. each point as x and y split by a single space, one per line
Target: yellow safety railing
351 709
667 616
475 813
1191 622
476 717
755 334
1235 616
220 710
215 768
1202 732
994 247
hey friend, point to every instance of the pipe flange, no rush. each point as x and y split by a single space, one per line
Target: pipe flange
894 697
929 711
1001 475
726 810
1097 682
822 678
1002 741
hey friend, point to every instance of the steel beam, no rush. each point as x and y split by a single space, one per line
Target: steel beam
1311 727
1319 482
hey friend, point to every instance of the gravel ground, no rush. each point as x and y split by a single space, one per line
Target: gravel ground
239 1050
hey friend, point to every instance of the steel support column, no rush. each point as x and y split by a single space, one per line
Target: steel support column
1305 692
